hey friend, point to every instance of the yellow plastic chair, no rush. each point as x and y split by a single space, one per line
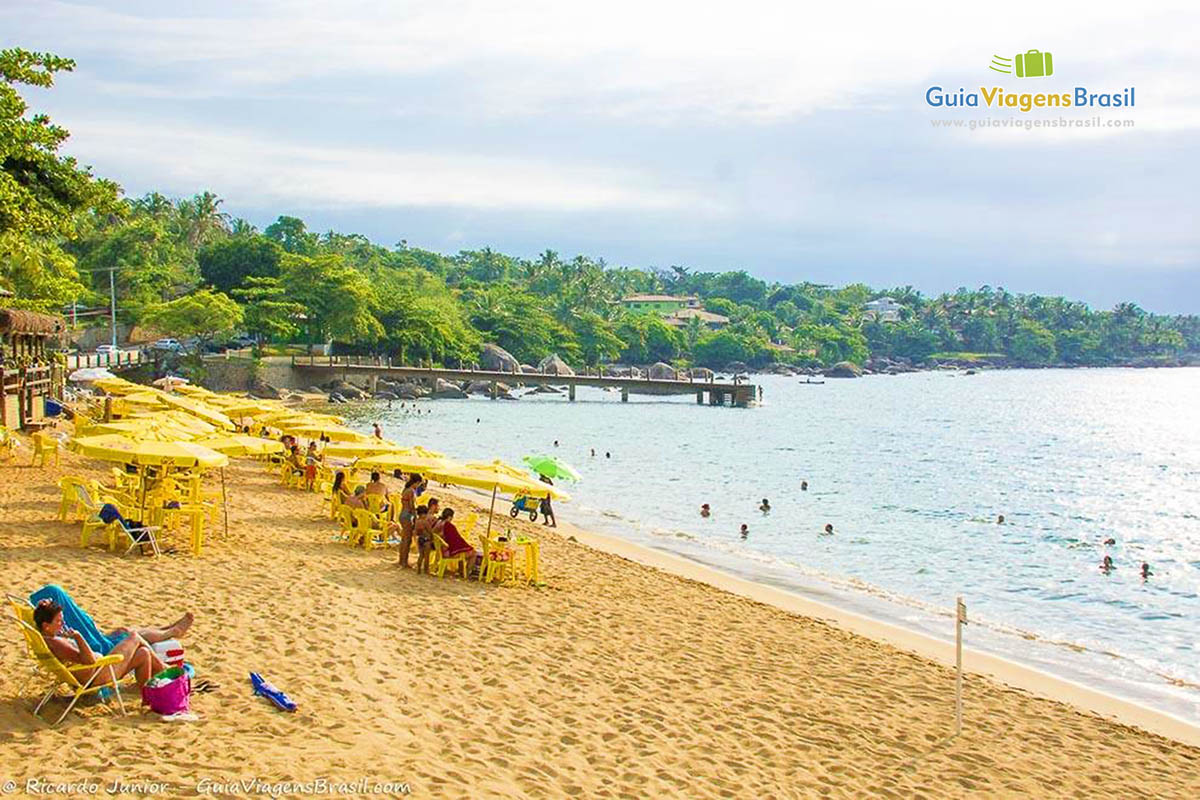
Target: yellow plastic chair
65 675
368 527
69 505
8 442
457 564
531 550
345 518
498 559
375 503
45 449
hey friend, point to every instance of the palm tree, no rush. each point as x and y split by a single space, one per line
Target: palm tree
202 219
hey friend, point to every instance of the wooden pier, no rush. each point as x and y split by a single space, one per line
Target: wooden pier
735 393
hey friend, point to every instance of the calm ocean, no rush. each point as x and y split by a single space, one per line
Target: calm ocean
912 472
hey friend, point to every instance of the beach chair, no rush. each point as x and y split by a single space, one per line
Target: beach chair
498 560
458 563
68 504
345 518
58 674
93 524
45 449
8 443
368 527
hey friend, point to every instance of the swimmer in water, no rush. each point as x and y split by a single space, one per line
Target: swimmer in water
1107 565
804 486
1000 520
607 455
1146 573
828 527
704 511
765 507
556 442
1110 540
745 530
593 452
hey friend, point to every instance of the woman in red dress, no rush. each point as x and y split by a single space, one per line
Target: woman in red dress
455 544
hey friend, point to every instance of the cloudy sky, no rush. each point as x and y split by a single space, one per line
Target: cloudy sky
789 139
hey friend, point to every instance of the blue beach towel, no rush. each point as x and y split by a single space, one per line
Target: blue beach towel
75 617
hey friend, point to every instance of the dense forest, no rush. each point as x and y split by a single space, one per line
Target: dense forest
187 268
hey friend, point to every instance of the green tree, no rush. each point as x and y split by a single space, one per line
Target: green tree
204 314
269 312
422 320
648 339
41 193
1033 343
598 341
228 263
715 350
292 235
338 300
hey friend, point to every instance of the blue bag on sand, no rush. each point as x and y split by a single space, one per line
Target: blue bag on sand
261 687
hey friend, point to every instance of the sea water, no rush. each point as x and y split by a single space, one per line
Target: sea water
912 471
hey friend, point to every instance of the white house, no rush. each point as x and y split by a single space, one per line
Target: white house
884 309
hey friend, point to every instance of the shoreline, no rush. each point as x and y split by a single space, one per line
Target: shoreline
1003 670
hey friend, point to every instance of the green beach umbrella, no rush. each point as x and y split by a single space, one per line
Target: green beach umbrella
551 467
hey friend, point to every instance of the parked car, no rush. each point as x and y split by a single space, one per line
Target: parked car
107 350
171 345
242 342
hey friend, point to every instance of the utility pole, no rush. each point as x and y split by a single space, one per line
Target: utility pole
112 303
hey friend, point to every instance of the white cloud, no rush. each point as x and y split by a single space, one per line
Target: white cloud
753 60
253 170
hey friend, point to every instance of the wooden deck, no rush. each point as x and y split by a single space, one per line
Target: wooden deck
736 393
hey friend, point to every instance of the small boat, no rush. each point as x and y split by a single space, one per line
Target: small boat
810 380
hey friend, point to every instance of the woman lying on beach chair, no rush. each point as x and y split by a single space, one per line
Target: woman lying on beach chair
83 643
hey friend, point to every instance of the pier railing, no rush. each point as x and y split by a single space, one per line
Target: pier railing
738 391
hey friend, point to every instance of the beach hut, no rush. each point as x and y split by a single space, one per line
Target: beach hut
29 374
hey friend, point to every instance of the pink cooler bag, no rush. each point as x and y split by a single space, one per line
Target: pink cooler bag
167 692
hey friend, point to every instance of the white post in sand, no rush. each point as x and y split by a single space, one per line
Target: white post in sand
959 621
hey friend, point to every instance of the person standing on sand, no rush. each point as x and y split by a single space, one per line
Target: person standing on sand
408 504
422 529
378 431
545 507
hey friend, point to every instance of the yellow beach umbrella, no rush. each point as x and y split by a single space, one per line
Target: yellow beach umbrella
407 461
360 449
118 386
144 428
149 399
496 476
240 445
201 410
295 415
180 419
315 430
126 450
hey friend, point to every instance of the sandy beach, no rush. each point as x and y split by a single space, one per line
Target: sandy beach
617 679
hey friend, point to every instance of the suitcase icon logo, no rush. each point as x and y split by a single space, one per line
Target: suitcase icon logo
1030 64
